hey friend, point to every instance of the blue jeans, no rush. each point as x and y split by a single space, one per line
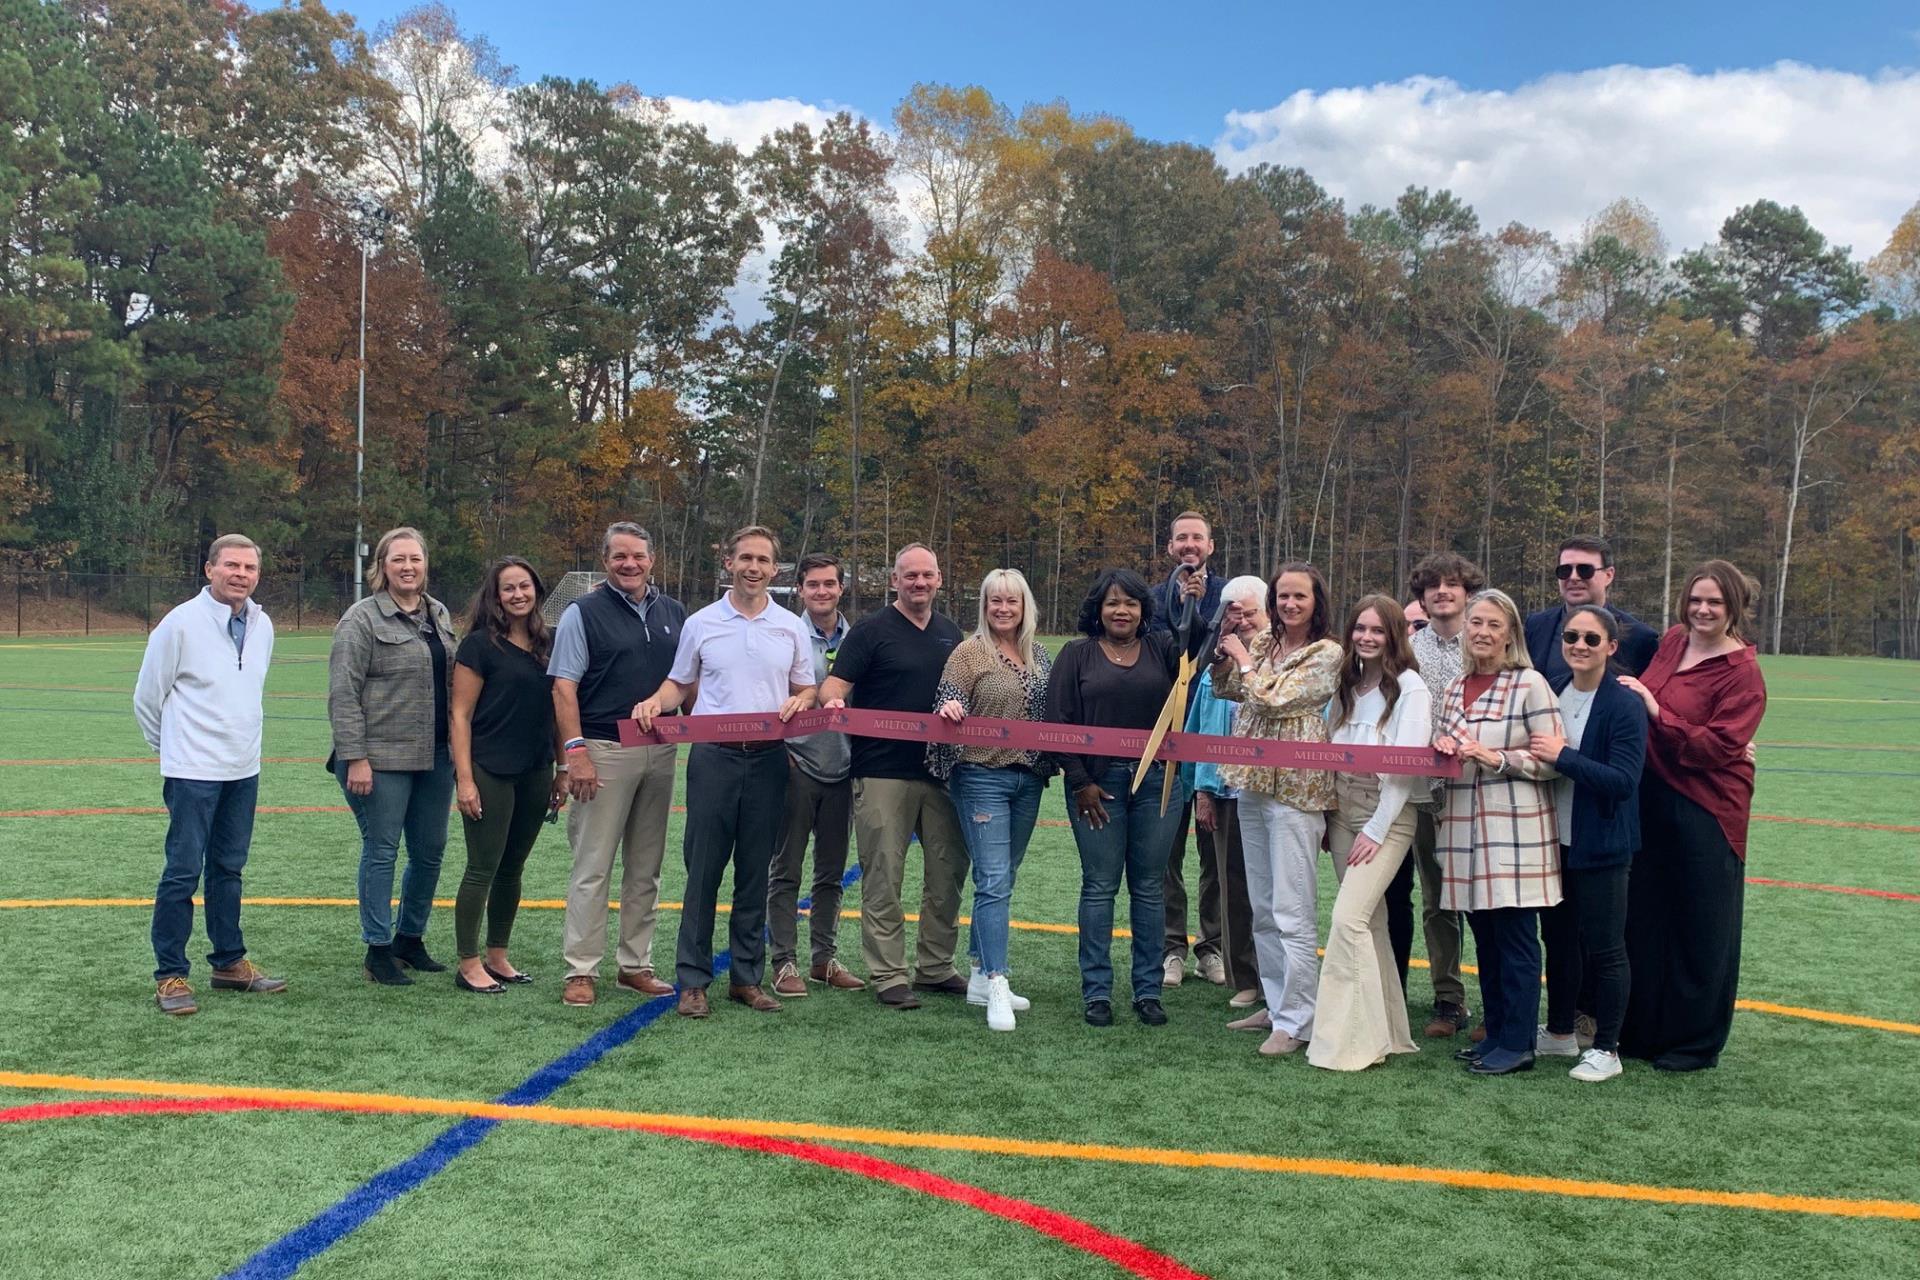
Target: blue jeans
209 827
410 803
1135 840
996 809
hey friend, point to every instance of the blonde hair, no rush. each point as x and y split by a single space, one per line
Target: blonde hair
377 573
1004 581
1515 658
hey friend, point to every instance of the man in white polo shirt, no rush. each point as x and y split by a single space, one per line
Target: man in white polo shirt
198 701
741 655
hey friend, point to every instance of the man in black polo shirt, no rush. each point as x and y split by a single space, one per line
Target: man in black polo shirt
612 648
891 661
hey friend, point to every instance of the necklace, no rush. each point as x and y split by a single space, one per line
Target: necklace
1115 650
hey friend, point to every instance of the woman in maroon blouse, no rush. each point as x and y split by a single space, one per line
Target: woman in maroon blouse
1704 697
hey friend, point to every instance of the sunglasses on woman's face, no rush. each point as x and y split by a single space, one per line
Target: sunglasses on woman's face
1586 571
1591 639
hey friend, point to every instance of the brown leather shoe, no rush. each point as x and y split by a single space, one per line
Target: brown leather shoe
1448 1020
789 983
898 996
837 976
643 981
174 996
693 1003
754 998
246 976
951 985
578 991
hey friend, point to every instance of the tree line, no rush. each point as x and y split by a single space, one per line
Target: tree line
1023 337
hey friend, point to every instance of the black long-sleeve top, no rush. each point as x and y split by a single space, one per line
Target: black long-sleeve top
1088 688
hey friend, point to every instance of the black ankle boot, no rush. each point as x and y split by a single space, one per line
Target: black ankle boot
412 952
382 969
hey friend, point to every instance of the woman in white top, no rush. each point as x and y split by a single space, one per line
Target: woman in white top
1381 702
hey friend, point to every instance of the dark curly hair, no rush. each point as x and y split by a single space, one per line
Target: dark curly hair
1127 580
486 616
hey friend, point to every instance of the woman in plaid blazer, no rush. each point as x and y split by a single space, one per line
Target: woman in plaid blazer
1498 843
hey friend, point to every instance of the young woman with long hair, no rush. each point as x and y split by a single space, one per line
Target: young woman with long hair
1381 701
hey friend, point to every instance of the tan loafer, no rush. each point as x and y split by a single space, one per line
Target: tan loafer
1279 1044
1255 1021
643 981
754 998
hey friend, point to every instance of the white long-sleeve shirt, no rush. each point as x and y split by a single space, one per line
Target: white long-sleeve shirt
1410 725
199 698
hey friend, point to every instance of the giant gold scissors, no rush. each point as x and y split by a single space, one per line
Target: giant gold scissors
1175 710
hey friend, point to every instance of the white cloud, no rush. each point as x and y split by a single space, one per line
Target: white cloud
1692 146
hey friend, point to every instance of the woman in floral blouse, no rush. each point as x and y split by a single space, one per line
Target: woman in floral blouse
1000 672
1282 685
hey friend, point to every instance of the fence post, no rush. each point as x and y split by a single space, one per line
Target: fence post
86 607
299 600
149 610
19 586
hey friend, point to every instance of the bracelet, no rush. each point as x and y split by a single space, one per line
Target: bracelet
574 744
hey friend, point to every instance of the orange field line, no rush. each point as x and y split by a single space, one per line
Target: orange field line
980 1144
1030 926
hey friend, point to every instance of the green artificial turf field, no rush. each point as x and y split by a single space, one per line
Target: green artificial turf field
1357 1175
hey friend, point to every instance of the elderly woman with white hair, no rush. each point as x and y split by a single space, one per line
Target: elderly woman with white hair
1498 842
1216 805
1000 672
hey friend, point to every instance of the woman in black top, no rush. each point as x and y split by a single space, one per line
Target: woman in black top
504 746
1118 677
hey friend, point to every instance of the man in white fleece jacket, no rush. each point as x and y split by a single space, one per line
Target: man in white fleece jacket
198 701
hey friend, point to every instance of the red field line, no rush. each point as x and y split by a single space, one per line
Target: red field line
1836 888
1129 1256
1835 822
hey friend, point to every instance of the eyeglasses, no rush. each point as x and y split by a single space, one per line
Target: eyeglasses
1586 571
1418 624
1591 639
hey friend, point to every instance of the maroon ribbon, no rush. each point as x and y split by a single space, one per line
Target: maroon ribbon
1040 735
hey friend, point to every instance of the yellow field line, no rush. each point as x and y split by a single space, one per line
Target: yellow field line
1030 926
1165 1157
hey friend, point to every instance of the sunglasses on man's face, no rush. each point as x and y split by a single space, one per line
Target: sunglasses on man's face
1591 639
1418 624
1586 571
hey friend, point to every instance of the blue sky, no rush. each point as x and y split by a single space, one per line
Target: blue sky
1172 70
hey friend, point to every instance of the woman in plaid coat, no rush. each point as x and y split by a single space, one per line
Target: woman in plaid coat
1498 843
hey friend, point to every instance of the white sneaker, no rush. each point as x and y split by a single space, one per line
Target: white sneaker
1596 1065
1213 969
1173 972
1546 1044
978 985
1000 1005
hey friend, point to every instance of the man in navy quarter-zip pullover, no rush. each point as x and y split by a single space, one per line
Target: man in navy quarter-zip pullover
198 701
612 648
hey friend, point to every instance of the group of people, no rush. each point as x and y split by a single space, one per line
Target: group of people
1605 777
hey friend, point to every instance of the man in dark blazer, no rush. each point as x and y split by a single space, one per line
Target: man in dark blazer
1585 573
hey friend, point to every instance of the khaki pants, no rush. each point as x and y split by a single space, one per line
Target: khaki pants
629 815
887 813
1443 928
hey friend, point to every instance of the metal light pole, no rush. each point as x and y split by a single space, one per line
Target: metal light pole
360 445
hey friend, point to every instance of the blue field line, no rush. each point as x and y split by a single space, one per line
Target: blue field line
305 1243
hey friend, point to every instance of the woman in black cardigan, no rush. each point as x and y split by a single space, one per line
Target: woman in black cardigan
1598 806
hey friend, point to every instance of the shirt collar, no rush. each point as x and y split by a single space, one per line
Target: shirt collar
222 611
833 636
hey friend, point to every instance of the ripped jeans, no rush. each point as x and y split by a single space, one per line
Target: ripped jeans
996 809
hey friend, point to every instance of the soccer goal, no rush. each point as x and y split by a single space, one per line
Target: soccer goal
570 588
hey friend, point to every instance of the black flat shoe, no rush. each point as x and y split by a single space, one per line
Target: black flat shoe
491 989
1150 1012
1472 1053
1099 1013
511 979
1501 1062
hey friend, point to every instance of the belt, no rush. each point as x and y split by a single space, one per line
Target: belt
762 744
